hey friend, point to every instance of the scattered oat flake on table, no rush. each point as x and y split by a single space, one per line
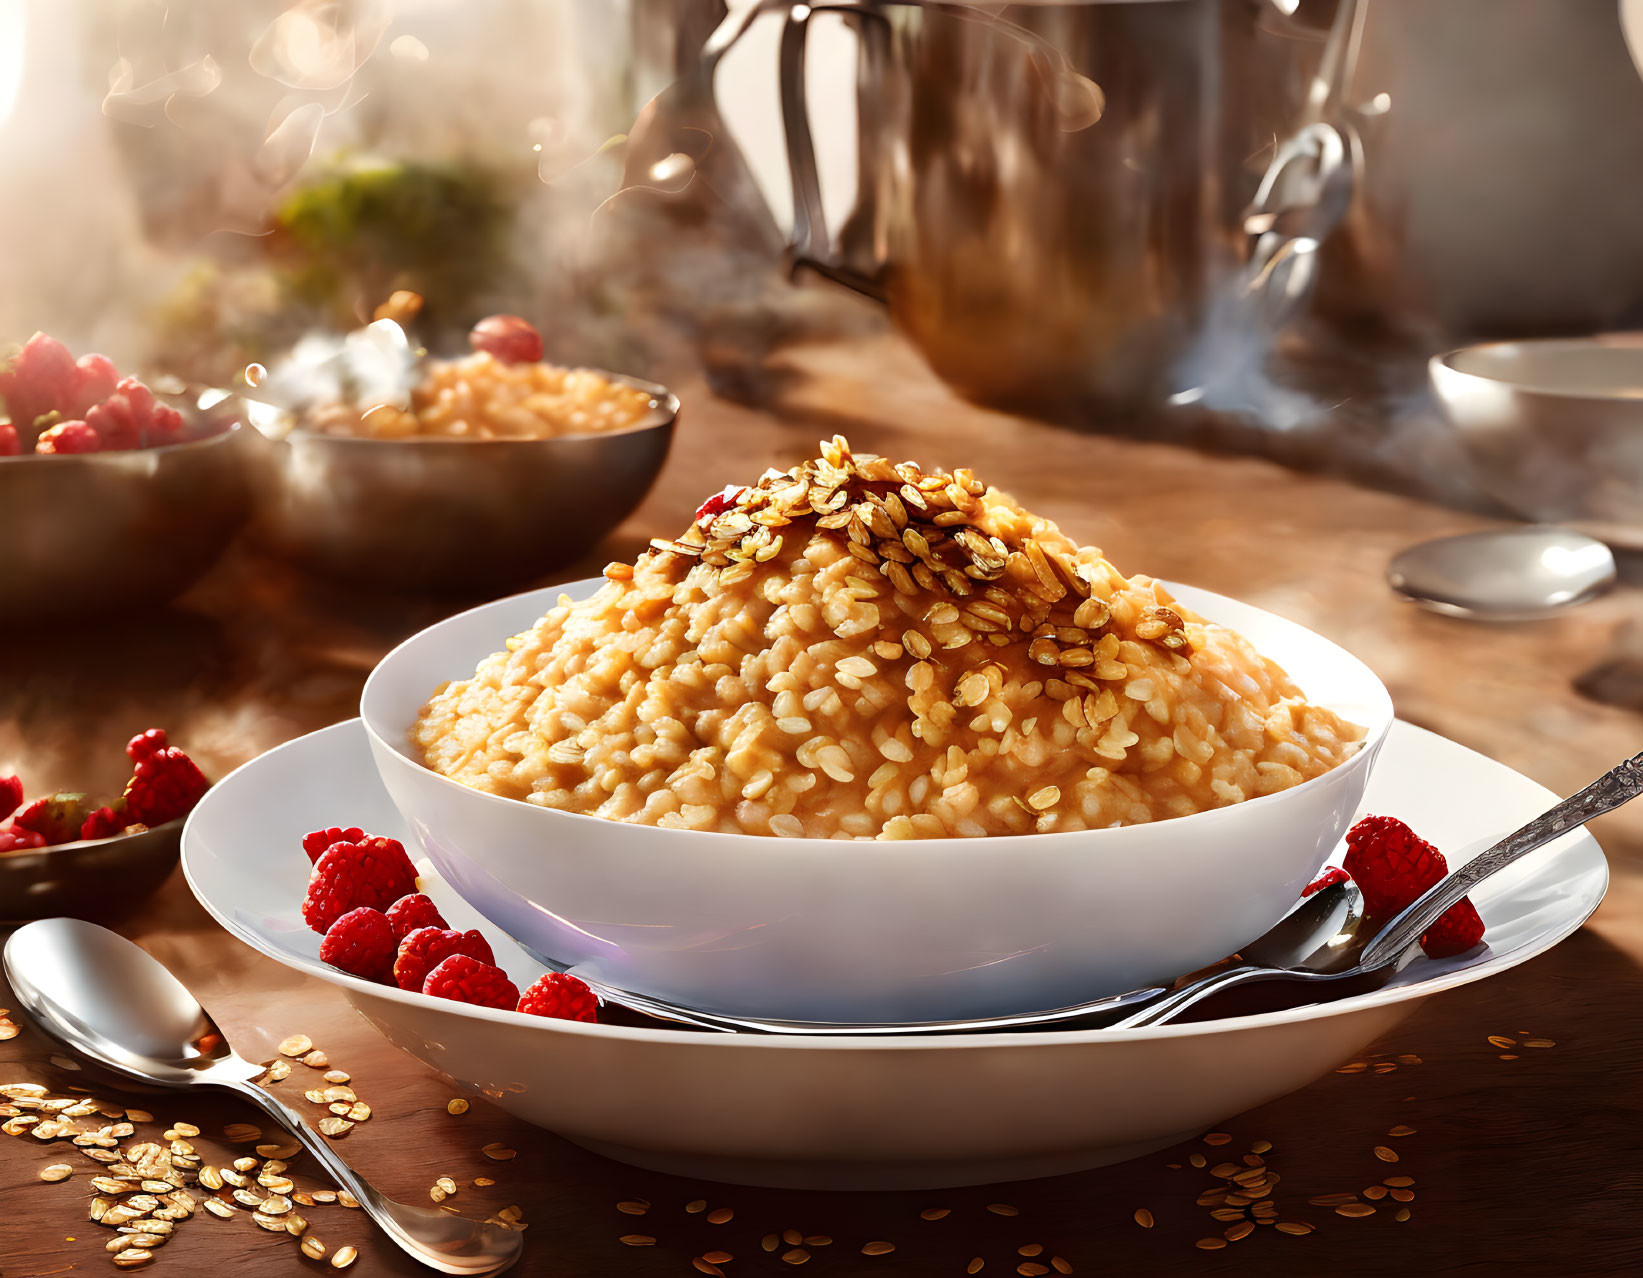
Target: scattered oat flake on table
974 1267
1217 1138
457 1106
1386 1155
242 1133
696 1205
1143 1217
1031 1269
298 1045
934 1213
719 1215
482 1182
313 1248
498 1151
1508 1056
1211 1244
57 1171
1030 1249
701 1264
1003 1209
1353 1067
1539 1042
796 1257
717 1257
139 1116
872 1248
637 1240
1500 1040
633 1207
343 1257
316 1059
1354 1209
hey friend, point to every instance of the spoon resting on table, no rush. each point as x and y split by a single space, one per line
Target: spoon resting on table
108 1001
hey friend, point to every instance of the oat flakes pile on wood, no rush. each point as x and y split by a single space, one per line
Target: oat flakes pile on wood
858 648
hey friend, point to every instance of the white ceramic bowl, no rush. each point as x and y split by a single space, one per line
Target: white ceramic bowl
864 931
856 1112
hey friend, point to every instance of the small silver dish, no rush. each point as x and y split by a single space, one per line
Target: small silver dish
89 878
105 532
1554 426
454 516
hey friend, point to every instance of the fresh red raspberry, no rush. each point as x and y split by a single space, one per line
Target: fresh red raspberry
67 438
163 787
508 338
55 818
145 744
105 823
467 980
95 380
10 444
116 424
361 943
1392 866
11 795
373 872
39 379
318 842
14 837
1329 878
560 996
164 427
412 912
720 502
424 949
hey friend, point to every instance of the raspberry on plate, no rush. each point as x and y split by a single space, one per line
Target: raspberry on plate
412 912
361 943
424 949
318 842
10 444
1392 866
373 872
1329 878
14 838
165 785
562 997
467 980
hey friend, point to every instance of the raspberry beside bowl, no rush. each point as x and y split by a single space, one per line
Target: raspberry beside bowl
870 931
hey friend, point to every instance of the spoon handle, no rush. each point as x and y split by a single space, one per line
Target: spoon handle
449 1244
1177 1001
1617 786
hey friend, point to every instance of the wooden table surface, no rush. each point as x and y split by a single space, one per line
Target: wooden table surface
1531 1163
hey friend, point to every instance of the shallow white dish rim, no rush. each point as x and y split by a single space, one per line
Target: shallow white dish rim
1438 981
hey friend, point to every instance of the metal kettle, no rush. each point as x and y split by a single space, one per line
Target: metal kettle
1059 201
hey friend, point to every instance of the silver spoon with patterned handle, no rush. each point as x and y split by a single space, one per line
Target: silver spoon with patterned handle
1371 958
110 1002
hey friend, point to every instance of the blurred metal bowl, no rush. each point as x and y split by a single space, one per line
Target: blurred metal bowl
1554 425
455 516
101 532
89 878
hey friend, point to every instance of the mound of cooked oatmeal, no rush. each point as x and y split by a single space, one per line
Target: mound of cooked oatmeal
856 648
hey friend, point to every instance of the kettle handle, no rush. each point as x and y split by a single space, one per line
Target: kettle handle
809 247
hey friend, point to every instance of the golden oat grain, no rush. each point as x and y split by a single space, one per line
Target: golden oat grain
797 1256
1003 1209
792 1237
313 1248
975 1265
296 1045
1375 1192
934 1213
499 1152
1403 1195
1501 1041
637 1240
1061 1265
719 1216
1401 1130
1197 1160
717 1257
874 1248
633 1206
818 1240
698 1205
1217 1138
1508 1056
343 1257
1386 1155
1402 1213
1031 1269
702 1265
1210 1244
57 1171
1539 1042
1242 1230
1296 1227
1354 1209
1030 1249
1143 1217
456 1106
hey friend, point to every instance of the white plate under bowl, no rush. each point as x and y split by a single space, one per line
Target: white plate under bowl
864 931
860 1112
